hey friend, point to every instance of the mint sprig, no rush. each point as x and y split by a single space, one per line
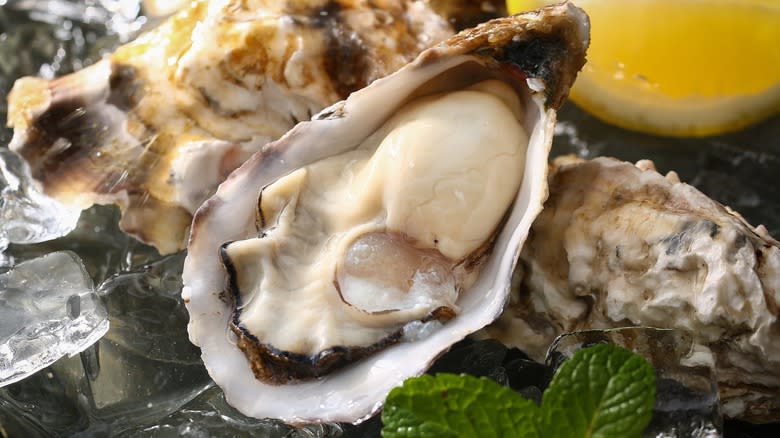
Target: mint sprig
602 391
449 405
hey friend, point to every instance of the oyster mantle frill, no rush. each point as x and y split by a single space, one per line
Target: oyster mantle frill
363 199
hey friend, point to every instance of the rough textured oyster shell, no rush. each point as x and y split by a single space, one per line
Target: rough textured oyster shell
468 13
621 245
538 55
158 124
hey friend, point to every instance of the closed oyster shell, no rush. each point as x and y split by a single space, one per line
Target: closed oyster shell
156 126
536 56
621 245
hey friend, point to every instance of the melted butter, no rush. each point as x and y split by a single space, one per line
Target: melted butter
439 176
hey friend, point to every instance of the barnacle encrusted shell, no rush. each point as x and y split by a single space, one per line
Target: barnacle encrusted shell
535 56
156 126
621 245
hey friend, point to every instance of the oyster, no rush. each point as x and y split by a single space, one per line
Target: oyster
468 13
621 245
346 256
156 126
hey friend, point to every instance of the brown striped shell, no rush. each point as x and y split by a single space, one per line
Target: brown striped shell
157 125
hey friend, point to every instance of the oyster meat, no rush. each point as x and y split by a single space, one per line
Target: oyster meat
156 126
347 255
622 245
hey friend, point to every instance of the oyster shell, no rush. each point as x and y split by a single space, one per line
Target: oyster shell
621 245
156 126
468 13
294 325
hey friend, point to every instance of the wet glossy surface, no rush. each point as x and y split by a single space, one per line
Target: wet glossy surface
145 379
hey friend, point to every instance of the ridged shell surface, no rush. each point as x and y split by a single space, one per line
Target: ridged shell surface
619 244
158 124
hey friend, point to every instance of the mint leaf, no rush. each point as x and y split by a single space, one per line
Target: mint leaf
448 405
602 391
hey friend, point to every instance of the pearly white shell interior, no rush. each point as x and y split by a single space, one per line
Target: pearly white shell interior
357 391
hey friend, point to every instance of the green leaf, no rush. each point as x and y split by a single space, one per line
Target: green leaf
602 391
448 405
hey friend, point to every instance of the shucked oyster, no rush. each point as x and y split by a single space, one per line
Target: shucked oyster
158 124
347 255
620 245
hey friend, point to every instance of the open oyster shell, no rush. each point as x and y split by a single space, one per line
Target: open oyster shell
534 57
621 245
156 126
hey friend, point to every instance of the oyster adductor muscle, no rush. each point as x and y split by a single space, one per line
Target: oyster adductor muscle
347 255
158 124
619 245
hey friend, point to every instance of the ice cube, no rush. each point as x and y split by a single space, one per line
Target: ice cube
147 312
144 368
27 215
141 371
48 309
209 415
103 248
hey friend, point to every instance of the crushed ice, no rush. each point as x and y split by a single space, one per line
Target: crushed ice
48 309
26 214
